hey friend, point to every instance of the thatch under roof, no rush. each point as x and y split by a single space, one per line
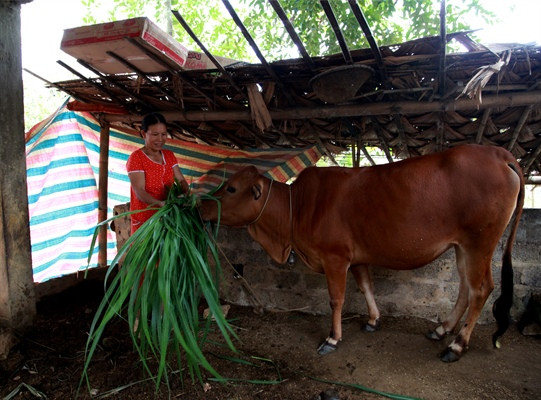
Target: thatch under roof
408 99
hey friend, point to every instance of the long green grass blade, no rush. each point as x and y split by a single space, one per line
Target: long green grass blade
366 389
164 275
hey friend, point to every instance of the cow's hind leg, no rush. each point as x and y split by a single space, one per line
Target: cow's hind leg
362 276
478 275
336 284
461 304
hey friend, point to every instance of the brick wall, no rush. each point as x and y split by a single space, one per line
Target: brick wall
428 292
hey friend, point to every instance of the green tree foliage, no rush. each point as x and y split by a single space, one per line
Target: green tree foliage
391 21
38 101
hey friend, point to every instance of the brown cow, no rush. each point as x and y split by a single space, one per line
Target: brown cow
401 215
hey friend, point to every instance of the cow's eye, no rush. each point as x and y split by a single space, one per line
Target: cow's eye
231 189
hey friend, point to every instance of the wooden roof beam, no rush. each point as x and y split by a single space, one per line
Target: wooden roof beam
99 87
136 43
254 135
143 75
211 57
292 33
193 85
402 135
382 140
228 136
338 33
366 153
182 132
122 87
150 81
483 125
56 86
345 110
443 49
440 131
162 62
258 53
370 38
520 124
533 157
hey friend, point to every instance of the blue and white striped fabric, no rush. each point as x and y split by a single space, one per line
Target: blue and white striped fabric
62 155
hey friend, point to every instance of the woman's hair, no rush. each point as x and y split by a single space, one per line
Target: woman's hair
151 119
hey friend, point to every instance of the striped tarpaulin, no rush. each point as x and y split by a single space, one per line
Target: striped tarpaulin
62 156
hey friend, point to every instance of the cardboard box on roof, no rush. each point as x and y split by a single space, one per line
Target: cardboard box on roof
197 60
91 43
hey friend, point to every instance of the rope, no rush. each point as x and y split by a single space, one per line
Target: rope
264 205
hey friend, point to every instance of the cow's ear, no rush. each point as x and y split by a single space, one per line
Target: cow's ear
256 191
252 171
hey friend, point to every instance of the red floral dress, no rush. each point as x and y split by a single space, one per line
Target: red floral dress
158 179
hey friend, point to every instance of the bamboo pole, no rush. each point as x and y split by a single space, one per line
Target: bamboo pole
443 48
520 125
482 126
358 151
354 158
382 140
352 110
367 154
533 156
402 137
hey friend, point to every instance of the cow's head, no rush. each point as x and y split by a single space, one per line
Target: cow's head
241 198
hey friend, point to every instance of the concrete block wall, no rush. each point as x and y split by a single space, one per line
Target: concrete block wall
428 292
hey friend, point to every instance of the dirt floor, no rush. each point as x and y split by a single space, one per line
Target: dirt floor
398 360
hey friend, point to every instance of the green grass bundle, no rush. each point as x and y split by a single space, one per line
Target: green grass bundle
158 288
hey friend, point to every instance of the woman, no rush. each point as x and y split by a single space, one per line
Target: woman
152 170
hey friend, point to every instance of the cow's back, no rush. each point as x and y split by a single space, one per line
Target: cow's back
410 211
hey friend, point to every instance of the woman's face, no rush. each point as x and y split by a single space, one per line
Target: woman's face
155 136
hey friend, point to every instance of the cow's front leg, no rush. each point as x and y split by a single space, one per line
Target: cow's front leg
336 284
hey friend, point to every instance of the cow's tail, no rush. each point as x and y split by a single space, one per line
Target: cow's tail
502 305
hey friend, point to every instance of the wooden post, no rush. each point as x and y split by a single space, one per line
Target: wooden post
17 298
102 191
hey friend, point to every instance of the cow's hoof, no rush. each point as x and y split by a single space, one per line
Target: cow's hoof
434 335
372 327
291 259
449 355
326 347
329 394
